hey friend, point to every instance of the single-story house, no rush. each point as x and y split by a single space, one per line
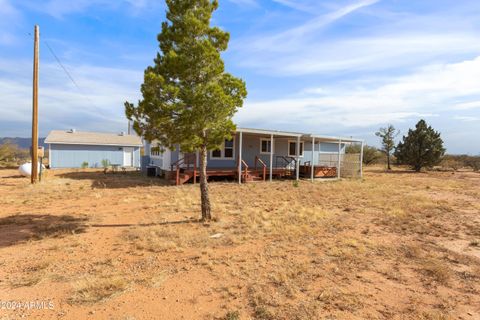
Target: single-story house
76 149
259 154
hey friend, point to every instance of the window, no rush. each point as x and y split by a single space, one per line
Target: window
292 149
155 151
265 146
226 151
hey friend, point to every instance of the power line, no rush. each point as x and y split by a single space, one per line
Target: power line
61 65
71 78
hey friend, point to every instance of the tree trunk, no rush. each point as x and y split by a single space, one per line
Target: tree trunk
388 161
206 209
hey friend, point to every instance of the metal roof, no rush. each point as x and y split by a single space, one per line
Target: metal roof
269 132
92 138
298 134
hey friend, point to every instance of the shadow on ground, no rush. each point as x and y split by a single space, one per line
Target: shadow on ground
165 223
20 228
110 180
394 171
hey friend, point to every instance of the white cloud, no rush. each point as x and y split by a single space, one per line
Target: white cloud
467 105
466 118
9 19
98 106
61 8
393 41
293 39
424 93
250 3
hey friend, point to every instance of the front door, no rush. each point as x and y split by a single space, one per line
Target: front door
127 157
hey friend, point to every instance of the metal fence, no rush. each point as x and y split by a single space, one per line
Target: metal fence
349 163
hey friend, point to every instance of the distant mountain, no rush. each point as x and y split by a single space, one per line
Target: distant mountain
23 143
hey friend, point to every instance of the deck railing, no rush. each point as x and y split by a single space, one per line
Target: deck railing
244 173
258 160
182 163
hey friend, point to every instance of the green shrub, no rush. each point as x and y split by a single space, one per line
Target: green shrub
105 163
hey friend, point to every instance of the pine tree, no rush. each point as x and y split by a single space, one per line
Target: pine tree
421 148
188 98
388 136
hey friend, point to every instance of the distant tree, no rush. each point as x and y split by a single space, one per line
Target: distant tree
421 148
188 98
10 153
388 136
370 154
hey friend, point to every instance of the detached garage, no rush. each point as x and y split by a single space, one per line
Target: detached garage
74 149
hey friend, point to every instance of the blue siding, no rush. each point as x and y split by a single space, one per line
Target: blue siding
322 148
251 149
72 156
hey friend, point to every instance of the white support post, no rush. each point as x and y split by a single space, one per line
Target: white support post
240 145
271 157
339 160
312 167
297 169
361 161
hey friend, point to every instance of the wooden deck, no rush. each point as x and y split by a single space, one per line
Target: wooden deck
319 171
186 175
251 174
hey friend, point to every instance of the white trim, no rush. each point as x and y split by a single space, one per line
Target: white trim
361 161
97 144
126 151
312 164
240 145
339 164
49 156
302 143
269 132
272 143
222 152
269 141
333 139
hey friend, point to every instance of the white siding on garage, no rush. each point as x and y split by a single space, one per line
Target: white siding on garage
72 156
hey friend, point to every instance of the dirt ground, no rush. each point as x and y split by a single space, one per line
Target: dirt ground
121 246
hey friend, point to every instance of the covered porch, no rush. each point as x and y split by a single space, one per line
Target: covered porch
261 155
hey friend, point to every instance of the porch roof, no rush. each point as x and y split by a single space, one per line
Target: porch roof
269 132
298 134
332 138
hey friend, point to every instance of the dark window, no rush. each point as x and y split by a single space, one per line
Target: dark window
228 149
265 146
228 153
292 149
216 154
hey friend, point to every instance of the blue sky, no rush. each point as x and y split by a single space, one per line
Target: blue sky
333 67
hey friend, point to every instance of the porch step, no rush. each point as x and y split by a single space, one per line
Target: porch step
183 177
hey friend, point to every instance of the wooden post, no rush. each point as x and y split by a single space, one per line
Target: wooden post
339 163
297 165
195 168
240 143
271 157
361 161
34 175
312 166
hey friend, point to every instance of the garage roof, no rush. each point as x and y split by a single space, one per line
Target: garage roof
92 138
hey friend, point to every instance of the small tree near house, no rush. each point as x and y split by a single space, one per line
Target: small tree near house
388 136
370 154
188 98
421 148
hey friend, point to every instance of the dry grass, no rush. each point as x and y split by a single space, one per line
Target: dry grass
391 246
95 289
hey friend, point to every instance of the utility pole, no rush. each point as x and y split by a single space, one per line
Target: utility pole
34 175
